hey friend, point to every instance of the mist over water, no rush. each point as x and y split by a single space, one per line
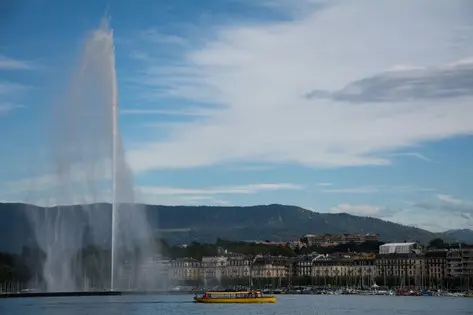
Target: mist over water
86 165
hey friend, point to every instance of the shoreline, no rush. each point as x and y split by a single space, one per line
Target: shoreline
189 292
90 293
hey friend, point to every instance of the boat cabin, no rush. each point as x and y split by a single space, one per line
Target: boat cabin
232 295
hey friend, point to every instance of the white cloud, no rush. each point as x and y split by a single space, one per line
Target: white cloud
47 197
360 210
448 203
410 188
450 199
171 112
244 168
375 189
243 189
197 196
413 154
5 108
324 184
93 184
138 55
260 73
154 35
436 219
173 200
454 213
67 183
7 63
352 190
9 90
444 82
10 87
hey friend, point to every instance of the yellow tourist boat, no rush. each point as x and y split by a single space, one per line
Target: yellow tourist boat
234 297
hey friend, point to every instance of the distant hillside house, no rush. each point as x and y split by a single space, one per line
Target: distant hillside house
335 239
269 243
399 248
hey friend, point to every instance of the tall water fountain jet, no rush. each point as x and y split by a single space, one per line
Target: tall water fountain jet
87 166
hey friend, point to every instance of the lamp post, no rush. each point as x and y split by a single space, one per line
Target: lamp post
251 262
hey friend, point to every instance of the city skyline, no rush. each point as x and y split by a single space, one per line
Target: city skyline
327 105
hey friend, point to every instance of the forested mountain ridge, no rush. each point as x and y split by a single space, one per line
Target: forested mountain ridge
184 224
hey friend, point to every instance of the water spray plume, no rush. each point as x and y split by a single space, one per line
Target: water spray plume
87 165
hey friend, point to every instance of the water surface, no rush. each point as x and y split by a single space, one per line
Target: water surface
287 304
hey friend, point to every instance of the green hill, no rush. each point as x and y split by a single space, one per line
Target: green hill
184 224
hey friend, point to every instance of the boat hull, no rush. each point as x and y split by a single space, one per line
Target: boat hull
265 299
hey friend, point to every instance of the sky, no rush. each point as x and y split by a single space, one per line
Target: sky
363 107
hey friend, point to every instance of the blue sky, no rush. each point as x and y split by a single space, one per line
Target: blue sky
333 106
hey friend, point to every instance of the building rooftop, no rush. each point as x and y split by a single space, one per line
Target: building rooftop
398 248
398 244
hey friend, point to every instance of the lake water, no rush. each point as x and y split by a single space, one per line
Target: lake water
287 304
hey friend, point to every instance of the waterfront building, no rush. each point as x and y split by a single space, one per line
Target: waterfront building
467 268
351 270
304 266
436 267
454 263
150 274
213 270
269 267
401 270
238 267
185 270
459 263
364 269
270 270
